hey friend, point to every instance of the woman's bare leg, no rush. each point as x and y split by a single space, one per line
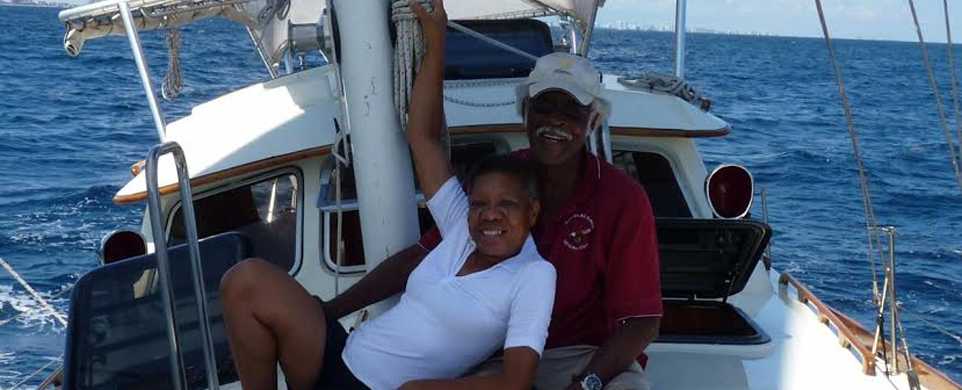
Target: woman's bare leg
270 318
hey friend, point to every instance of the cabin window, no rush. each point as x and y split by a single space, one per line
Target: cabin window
469 58
463 157
655 173
265 209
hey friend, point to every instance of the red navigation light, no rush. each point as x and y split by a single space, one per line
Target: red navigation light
730 189
121 244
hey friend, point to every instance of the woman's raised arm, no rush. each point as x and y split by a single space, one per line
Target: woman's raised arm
426 115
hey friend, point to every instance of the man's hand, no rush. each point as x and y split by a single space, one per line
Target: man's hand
622 348
433 24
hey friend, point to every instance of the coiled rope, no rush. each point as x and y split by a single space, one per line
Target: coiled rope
409 49
874 242
938 98
662 83
173 81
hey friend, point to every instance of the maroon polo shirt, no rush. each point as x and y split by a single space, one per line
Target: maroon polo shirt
602 244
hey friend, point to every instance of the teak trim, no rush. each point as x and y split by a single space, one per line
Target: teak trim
931 378
825 315
232 172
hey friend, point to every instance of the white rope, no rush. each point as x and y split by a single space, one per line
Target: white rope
663 83
938 98
29 377
874 243
409 49
174 80
43 303
21 314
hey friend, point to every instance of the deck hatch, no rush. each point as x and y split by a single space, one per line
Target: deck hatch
708 258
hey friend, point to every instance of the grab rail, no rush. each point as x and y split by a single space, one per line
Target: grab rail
163 263
825 315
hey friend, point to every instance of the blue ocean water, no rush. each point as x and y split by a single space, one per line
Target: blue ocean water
71 127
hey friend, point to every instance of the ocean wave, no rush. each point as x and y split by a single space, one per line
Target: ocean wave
18 308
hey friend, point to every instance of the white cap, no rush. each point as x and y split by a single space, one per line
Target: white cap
566 72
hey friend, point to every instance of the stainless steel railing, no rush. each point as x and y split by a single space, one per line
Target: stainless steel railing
163 263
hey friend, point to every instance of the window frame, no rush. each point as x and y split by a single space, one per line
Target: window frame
291 170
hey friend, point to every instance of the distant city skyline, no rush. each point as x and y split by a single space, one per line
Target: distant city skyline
854 19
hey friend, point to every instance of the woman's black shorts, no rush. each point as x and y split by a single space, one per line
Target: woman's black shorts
334 373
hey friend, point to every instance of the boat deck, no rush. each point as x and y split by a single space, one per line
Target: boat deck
806 354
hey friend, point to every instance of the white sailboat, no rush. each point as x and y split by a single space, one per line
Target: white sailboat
263 173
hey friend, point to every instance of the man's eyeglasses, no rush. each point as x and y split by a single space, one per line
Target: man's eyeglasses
571 111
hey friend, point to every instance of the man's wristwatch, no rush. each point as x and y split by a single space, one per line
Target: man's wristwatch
589 381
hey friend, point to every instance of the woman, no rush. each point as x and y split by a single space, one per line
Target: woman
484 288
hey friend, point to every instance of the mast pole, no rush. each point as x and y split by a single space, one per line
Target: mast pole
680 6
382 167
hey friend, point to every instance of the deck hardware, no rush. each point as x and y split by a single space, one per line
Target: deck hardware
163 263
889 298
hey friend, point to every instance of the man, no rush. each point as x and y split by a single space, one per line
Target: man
596 227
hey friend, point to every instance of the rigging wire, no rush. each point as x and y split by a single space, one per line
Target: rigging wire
932 325
955 83
874 242
938 97
29 377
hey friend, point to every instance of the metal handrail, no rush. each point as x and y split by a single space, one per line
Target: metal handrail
163 263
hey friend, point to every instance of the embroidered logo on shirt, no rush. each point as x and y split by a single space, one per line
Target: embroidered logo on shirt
578 226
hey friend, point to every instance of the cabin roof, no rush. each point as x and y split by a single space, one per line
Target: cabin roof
290 118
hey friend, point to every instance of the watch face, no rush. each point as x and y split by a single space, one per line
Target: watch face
591 382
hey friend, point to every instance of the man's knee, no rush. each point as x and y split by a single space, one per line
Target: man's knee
244 279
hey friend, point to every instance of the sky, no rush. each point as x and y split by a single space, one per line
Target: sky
857 19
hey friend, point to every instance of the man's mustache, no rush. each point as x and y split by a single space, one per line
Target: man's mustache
554 132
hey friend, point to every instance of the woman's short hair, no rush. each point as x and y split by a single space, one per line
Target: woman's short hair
510 165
